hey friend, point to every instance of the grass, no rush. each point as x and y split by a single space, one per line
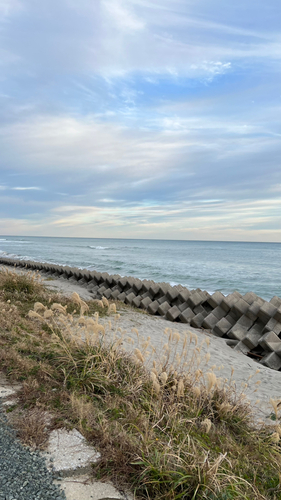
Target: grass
167 432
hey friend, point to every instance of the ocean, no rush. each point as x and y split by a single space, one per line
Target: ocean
208 265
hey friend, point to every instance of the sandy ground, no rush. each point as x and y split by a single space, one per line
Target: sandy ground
229 364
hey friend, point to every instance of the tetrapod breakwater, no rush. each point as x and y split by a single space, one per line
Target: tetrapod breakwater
249 323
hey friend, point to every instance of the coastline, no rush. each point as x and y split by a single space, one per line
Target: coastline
210 266
229 365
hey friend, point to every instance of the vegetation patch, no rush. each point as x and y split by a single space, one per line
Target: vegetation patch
163 427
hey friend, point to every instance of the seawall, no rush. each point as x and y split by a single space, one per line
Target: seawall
250 324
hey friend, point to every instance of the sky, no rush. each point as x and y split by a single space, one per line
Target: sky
141 119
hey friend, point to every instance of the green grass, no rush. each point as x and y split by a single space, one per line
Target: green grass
167 434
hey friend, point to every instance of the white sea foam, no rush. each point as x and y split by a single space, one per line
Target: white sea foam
98 248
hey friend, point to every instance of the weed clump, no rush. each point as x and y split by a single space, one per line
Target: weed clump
18 284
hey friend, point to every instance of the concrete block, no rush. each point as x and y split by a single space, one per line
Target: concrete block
104 276
233 315
229 301
164 308
78 273
267 311
252 338
162 299
186 316
254 308
184 294
200 309
215 299
219 312
182 306
131 281
222 327
147 284
109 281
73 279
163 288
136 302
250 297
241 347
195 299
270 342
272 360
276 301
180 288
206 306
129 298
231 318
87 275
137 286
240 307
81 282
172 294
153 307
197 320
145 303
123 283
98 277
277 329
210 321
277 315
237 332
121 296
173 313
271 325
102 289
91 284
245 321
115 279
92 276
107 293
154 290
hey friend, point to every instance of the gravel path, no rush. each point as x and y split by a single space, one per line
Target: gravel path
23 473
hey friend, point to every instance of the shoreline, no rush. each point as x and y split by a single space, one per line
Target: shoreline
251 324
210 266
261 386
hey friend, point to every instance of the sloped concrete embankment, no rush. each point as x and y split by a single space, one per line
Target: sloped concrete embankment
250 324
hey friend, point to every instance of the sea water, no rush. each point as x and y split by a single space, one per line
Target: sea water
208 265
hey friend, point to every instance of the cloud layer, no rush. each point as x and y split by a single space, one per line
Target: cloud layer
140 119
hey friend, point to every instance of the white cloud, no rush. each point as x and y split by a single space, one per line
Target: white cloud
67 144
8 7
234 221
121 16
32 188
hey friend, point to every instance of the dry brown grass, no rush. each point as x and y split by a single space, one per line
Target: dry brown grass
169 430
32 426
